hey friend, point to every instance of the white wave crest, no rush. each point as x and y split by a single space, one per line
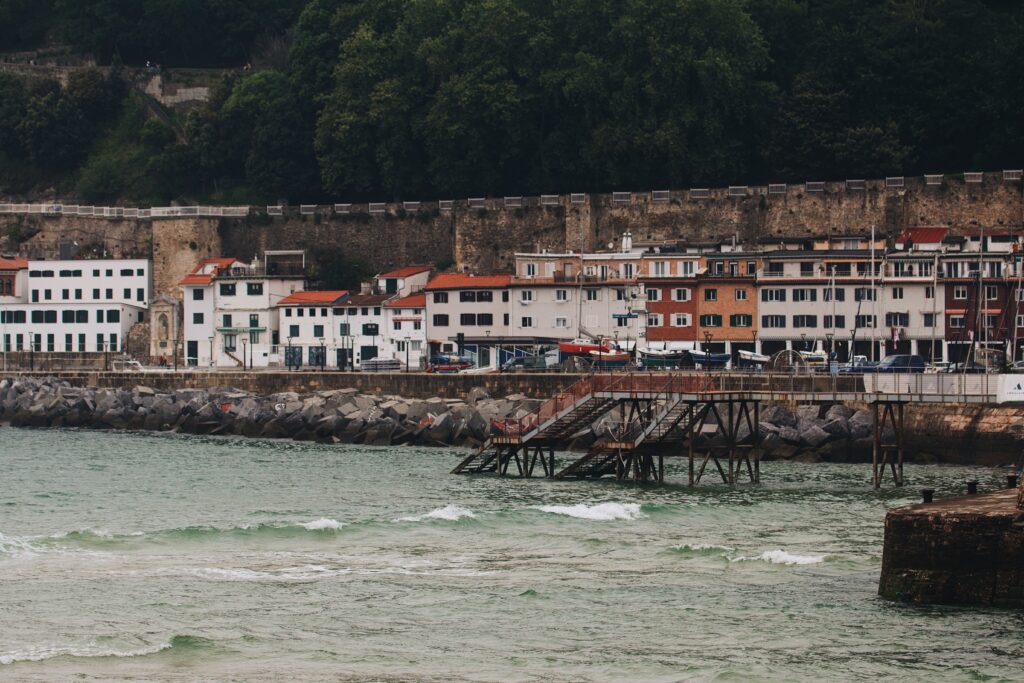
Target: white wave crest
285 574
450 513
601 512
702 547
322 524
14 546
38 654
779 556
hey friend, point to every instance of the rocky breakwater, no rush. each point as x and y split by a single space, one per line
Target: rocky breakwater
813 433
338 416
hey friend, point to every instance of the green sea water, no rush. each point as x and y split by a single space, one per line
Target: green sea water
174 558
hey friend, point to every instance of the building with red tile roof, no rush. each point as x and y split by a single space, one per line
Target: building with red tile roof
468 281
314 298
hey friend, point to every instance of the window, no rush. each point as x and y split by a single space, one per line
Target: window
441 298
140 271
486 295
396 325
773 321
654 320
805 321
114 316
128 293
65 317
484 318
897 319
47 294
956 321
312 312
992 321
99 316
628 270
467 319
620 295
682 320
1020 321
226 320
370 329
865 321
140 294
465 295
959 292
839 322
287 312
711 320
776 269
318 331
897 293
526 321
110 294
807 269
741 320
37 316
561 322
81 316
65 294
686 268
95 294
504 321
561 295
78 295
751 267
440 320
929 292
863 294
254 288
531 269
741 295
227 289
504 296
710 295
343 329
300 312
653 294
681 294
991 293
110 272
592 295
773 294
526 295
840 294
805 294
660 269
254 320
293 330
929 320
198 294
197 318
622 322
230 342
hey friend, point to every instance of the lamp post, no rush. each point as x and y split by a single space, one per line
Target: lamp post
289 355
323 353
487 333
211 353
707 349
245 354
803 340
408 340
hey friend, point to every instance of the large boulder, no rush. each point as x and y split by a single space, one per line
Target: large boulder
808 412
862 424
789 435
838 427
778 415
477 394
814 436
839 410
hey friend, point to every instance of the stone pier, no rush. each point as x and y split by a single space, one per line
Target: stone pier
958 551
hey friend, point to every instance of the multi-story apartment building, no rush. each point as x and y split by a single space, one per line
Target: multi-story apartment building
312 327
364 321
230 309
474 309
75 305
669 282
727 302
405 329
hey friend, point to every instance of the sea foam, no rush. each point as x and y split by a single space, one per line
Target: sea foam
449 513
601 512
779 556
322 524
38 654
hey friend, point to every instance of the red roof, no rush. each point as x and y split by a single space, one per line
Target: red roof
408 271
923 235
366 299
412 301
468 281
994 231
197 278
326 297
13 263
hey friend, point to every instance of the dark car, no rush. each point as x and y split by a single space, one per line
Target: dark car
525 363
898 363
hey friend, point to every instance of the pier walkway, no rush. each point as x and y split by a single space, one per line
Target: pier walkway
709 418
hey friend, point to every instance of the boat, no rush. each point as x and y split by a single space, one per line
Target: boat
709 361
610 359
583 346
816 357
751 359
665 358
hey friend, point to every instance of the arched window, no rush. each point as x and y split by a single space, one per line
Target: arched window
164 327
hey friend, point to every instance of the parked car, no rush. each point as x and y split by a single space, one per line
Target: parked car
857 364
968 368
897 363
525 363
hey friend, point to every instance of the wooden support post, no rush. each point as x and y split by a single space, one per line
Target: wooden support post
874 447
689 428
730 439
899 446
757 442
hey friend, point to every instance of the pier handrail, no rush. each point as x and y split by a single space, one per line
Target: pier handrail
547 410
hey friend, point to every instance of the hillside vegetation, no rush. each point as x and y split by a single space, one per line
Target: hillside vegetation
383 99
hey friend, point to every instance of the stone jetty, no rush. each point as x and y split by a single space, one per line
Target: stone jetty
807 433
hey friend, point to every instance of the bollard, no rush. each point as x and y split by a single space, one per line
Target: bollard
972 488
1011 481
927 495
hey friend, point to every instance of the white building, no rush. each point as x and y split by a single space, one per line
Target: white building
231 314
313 328
405 330
473 309
77 305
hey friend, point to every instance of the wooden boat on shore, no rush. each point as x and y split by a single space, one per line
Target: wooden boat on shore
710 361
583 346
610 359
667 358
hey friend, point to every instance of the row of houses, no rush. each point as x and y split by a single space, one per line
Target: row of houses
926 291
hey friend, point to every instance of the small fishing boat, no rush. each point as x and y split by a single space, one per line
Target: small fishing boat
751 359
710 361
583 346
610 359
816 357
665 358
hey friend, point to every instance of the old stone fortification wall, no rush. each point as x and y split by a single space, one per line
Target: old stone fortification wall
485 238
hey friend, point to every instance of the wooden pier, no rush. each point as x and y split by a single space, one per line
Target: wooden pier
713 421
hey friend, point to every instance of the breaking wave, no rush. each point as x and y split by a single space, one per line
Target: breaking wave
45 652
449 513
780 556
322 524
701 549
601 512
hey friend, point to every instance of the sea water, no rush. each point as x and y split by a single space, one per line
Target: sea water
177 558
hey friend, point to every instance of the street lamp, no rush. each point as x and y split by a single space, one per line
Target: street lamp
828 337
707 349
211 352
487 333
323 354
803 338
289 355
245 354
407 342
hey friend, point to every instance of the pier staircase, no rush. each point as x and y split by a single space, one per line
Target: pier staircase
551 425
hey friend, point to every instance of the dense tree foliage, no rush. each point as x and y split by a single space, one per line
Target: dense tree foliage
445 98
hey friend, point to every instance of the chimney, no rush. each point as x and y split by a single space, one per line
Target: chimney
627 242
